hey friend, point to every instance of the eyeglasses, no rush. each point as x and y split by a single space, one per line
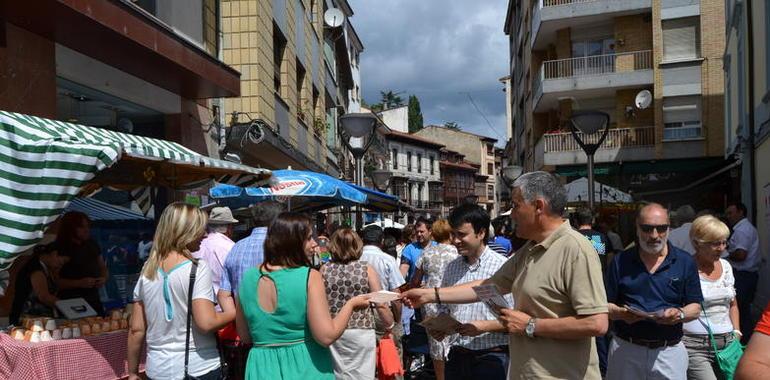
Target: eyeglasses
647 228
714 244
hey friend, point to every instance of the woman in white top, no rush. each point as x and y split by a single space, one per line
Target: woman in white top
720 314
160 307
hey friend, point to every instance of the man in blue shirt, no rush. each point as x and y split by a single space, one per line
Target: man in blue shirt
651 290
413 251
248 252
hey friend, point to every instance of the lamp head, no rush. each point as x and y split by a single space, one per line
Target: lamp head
358 124
590 122
381 179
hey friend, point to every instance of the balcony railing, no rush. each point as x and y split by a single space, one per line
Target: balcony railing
616 138
597 65
555 3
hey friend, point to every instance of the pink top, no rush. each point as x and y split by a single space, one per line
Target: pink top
214 250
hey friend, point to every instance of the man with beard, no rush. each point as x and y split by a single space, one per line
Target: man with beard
651 289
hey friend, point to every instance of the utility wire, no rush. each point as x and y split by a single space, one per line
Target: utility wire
484 116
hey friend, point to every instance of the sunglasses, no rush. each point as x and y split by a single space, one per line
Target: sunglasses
647 228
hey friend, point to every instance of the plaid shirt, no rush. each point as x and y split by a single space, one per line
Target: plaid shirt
247 253
459 272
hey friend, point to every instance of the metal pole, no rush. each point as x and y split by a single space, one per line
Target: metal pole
590 181
360 182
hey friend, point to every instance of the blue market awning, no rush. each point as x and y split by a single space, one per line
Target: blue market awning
300 190
379 201
102 211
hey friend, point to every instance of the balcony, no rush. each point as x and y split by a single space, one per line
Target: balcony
593 74
621 144
552 15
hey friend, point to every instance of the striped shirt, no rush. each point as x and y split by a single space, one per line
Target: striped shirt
247 253
459 272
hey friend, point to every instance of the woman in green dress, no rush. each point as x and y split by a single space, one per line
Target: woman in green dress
283 310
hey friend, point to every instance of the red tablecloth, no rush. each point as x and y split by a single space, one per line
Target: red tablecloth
93 357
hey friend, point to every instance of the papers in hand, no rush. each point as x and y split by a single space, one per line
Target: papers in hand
645 314
383 296
443 324
491 297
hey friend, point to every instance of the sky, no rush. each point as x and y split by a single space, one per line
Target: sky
442 51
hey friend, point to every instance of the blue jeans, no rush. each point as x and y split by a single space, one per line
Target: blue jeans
745 288
602 348
483 364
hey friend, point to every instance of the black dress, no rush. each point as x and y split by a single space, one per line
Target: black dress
25 301
84 262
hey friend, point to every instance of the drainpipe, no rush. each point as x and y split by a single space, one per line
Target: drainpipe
751 136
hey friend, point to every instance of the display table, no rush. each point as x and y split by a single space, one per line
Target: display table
92 357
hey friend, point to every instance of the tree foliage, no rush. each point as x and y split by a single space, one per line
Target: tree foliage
452 125
415 114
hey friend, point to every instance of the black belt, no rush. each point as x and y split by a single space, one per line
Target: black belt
649 343
465 351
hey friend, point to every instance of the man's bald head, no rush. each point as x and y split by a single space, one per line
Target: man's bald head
654 211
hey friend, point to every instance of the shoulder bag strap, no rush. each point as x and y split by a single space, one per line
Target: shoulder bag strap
708 328
193 271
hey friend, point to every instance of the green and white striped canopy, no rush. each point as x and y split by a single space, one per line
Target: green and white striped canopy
45 163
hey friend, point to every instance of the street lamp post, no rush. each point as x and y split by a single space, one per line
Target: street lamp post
510 173
358 131
589 123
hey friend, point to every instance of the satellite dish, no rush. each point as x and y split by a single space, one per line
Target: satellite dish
333 17
125 125
643 99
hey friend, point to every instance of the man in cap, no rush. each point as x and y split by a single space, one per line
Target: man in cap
218 242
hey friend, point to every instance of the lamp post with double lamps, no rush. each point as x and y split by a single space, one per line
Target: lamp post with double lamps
357 132
594 126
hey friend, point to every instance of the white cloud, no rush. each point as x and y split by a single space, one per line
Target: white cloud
439 50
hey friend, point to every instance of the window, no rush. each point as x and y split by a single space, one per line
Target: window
419 192
491 192
490 168
279 47
394 158
681 39
682 117
490 150
409 194
419 163
302 108
409 161
432 164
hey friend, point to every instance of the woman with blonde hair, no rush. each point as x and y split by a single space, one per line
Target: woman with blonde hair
429 273
720 310
354 354
283 310
162 313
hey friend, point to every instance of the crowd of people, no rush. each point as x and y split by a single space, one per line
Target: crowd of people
577 305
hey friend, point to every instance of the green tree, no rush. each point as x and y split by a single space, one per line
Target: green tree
390 99
452 125
415 115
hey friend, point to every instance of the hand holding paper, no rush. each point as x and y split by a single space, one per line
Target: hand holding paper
490 295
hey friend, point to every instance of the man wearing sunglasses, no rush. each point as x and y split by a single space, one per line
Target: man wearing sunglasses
652 289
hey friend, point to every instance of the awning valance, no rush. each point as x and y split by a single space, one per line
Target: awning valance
45 163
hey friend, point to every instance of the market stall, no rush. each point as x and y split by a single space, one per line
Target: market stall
44 166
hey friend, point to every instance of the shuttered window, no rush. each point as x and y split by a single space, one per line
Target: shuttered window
681 38
682 117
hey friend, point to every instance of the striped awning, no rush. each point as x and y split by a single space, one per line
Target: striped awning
45 163
103 211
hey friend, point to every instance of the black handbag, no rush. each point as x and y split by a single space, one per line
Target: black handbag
193 272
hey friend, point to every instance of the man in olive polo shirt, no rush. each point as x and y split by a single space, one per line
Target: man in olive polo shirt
557 286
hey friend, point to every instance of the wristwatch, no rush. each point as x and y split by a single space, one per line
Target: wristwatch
530 329
681 315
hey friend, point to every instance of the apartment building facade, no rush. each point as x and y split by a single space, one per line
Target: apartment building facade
747 115
298 76
416 174
568 55
477 150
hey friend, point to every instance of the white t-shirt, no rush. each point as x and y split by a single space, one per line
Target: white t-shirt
166 316
680 238
717 296
745 237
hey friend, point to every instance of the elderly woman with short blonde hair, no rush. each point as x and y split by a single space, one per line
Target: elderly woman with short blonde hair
720 310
